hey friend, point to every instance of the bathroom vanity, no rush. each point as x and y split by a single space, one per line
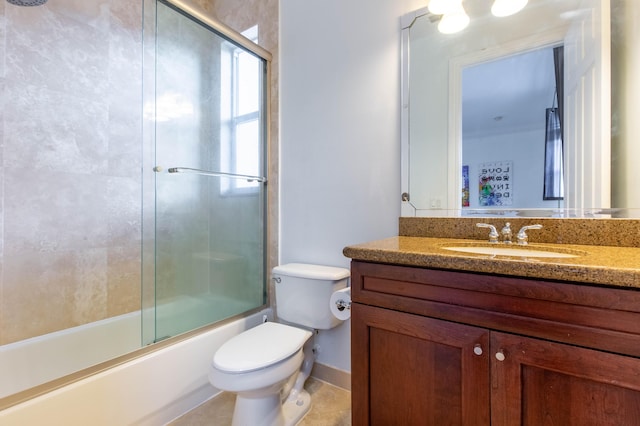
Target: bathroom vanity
440 337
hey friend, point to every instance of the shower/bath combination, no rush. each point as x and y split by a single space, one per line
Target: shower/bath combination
27 2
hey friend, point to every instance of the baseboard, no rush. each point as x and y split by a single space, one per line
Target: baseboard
332 375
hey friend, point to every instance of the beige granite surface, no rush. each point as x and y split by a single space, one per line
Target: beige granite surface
604 232
595 264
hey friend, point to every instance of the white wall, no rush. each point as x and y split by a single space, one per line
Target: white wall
340 134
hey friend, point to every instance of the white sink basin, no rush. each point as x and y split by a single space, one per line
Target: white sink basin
510 251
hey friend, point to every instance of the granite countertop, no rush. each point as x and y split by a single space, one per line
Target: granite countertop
594 264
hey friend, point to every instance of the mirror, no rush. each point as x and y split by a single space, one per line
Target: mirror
511 113
448 105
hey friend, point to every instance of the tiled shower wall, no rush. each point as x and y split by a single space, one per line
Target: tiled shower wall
70 78
71 155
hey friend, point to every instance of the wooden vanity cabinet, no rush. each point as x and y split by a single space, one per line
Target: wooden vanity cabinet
433 347
413 370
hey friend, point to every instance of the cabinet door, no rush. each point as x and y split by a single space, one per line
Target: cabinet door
535 382
411 370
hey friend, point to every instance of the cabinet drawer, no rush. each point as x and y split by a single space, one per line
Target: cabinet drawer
585 315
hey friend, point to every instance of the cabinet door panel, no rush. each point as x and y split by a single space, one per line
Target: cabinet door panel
546 383
412 370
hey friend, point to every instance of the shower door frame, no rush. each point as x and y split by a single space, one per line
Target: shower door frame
148 327
147 151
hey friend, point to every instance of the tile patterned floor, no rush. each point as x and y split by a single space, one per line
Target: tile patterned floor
330 406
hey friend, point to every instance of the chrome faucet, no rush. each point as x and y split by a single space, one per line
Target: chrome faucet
493 234
506 233
522 234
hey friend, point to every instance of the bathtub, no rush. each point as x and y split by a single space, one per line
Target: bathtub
34 361
147 391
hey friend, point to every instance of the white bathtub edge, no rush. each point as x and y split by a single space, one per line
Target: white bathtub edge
150 390
179 407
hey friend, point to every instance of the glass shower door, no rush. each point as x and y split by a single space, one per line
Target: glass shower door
209 184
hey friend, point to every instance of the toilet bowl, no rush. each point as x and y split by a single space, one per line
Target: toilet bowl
256 365
266 366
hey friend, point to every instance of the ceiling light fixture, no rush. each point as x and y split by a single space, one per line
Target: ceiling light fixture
507 7
455 19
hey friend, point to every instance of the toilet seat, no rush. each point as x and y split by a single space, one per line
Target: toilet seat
259 347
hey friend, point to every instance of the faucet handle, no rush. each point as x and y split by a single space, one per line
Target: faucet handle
493 234
506 233
522 234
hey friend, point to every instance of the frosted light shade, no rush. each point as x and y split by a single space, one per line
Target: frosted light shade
507 7
442 7
454 21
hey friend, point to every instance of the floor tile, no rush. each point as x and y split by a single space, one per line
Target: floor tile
330 406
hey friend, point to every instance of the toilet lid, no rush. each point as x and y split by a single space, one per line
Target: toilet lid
259 347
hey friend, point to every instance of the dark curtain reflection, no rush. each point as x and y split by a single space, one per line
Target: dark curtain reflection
553 146
553 157
558 61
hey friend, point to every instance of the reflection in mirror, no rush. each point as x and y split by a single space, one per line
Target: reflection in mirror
437 122
505 104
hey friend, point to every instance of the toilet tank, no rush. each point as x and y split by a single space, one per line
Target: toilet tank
303 292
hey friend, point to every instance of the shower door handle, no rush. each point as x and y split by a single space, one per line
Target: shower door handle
249 178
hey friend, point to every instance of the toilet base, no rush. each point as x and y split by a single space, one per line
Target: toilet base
269 411
295 410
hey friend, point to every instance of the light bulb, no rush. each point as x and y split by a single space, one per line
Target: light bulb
442 7
454 21
507 7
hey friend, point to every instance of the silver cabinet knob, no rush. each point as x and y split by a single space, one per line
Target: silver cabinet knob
477 349
500 355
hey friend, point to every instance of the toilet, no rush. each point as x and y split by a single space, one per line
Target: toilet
266 366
